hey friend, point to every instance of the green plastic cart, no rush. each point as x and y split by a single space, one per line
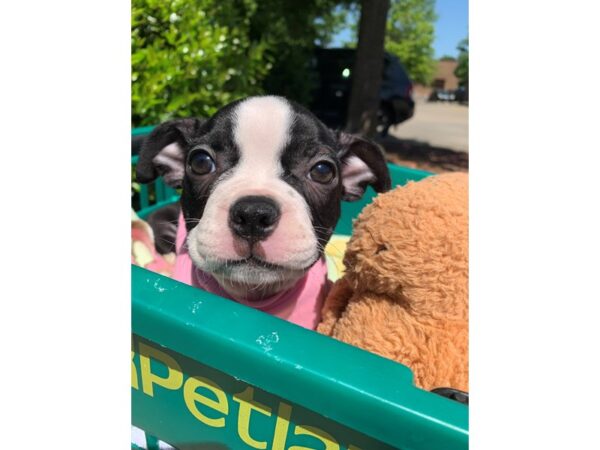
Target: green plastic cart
211 374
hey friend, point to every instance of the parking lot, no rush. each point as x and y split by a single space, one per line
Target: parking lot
437 124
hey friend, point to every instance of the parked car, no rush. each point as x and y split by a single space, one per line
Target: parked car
461 95
442 95
331 97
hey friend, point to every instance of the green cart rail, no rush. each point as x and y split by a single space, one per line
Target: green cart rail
208 373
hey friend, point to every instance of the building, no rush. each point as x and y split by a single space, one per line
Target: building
443 78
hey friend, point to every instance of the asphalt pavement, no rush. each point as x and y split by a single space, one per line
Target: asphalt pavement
442 125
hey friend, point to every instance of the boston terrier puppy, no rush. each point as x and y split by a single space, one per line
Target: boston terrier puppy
261 184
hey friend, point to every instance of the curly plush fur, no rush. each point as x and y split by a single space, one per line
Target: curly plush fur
405 292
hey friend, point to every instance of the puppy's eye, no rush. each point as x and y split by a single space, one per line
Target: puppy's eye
202 163
322 172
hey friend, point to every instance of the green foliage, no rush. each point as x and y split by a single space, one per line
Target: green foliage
348 18
187 61
410 35
462 69
335 20
291 29
190 57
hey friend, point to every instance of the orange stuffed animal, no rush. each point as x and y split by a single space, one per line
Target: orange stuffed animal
405 291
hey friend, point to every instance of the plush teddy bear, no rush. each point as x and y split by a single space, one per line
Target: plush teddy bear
404 294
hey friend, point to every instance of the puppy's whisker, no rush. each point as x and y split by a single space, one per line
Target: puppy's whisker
334 246
165 240
317 227
167 222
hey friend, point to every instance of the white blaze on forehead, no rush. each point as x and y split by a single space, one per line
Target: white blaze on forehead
261 132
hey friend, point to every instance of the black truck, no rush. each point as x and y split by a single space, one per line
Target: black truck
332 94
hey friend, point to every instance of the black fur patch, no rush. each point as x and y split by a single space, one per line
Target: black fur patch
310 142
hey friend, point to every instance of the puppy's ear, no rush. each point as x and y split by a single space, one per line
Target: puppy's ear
363 164
163 151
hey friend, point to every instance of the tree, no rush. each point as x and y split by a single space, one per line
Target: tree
191 57
368 67
462 69
410 35
292 30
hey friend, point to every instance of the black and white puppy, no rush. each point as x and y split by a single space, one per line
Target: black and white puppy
262 181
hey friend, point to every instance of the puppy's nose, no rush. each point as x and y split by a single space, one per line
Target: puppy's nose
254 217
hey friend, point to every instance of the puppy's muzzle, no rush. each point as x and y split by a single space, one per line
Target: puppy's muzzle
254 217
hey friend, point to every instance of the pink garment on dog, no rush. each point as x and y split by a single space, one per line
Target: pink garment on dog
300 304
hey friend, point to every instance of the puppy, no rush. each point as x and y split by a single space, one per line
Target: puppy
262 183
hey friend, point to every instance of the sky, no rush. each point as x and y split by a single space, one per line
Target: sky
450 28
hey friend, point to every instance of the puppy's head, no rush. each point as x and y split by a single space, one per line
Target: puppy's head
262 182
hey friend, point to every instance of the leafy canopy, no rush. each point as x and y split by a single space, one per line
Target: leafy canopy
410 35
186 61
190 57
462 69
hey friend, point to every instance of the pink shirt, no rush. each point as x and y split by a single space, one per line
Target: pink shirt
301 304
